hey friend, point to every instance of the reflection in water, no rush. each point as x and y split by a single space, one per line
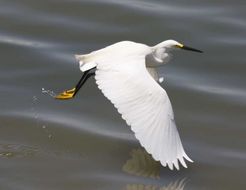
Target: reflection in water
142 164
177 185
140 187
16 150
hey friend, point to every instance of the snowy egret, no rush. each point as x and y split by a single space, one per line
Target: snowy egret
126 74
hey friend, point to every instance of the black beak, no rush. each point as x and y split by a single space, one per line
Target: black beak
190 49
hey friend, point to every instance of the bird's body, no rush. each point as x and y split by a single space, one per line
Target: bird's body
126 74
154 56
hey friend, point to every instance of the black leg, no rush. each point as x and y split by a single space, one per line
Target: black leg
82 81
82 78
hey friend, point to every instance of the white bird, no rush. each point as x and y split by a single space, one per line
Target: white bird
126 74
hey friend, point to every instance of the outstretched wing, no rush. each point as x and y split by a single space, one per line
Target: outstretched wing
144 105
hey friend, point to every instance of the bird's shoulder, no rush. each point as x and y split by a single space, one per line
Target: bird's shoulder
123 51
127 43
128 48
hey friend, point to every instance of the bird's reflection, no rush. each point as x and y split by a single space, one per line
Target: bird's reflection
177 185
142 164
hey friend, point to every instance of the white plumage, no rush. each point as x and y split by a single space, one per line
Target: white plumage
126 74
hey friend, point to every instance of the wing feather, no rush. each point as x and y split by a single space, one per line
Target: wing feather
144 105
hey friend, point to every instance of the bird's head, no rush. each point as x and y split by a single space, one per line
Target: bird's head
172 45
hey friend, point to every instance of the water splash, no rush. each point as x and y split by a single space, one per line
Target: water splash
34 109
49 92
34 98
46 130
35 112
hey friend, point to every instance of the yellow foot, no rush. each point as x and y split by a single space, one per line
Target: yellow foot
68 94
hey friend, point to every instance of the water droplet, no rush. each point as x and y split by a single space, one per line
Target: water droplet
49 92
161 79
34 98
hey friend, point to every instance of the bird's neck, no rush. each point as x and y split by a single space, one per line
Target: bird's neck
163 44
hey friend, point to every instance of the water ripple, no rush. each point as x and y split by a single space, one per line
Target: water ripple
81 123
209 86
25 42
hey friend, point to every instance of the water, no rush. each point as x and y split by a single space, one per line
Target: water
83 143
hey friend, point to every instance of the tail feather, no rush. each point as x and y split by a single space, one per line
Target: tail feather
78 57
84 64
